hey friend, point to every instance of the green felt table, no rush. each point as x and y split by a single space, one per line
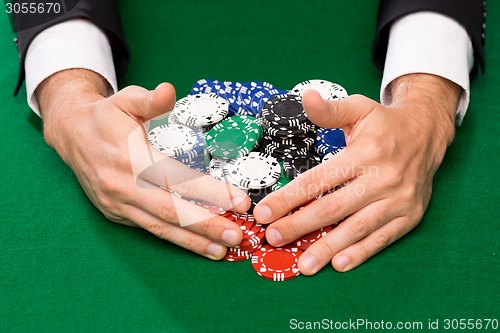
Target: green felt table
64 267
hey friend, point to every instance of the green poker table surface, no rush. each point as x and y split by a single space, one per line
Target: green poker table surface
65 268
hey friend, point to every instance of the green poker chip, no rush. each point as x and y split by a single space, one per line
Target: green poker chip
234 137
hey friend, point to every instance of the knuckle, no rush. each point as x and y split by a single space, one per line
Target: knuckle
121 160
362 252
220 195
168 212
294 228
107 206
359 99
326 248
359 228
409 193
419 212
382 240
107 182
132 89
314 182
204 228
282 198
329 210
390 178
157 229
189 243
374 149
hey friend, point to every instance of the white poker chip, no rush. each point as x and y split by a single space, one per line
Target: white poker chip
172 140
200 110
254 171
328 90
217 168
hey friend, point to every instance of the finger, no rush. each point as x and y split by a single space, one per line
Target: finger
140 102
325 211
355 227
372 244
179 236
179 178
306 187
168 173
332 114
176 211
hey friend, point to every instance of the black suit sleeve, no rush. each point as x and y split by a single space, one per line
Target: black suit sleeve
469 13
103 13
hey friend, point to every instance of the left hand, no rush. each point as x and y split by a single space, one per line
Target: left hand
390 160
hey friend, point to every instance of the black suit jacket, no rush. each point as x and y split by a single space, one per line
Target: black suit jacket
469 13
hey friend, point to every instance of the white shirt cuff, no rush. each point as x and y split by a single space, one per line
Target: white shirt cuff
75 43
427 42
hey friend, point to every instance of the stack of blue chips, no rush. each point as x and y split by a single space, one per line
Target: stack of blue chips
245 98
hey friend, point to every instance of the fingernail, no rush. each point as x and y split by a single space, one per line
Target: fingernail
229 237
214 251
342 262
274 236
263 213
309 262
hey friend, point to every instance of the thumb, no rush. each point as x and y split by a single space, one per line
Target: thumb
146 104
333 114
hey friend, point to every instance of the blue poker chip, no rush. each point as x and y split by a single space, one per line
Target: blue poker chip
197 148
322 150
204 86
331 136
243 98
329 140
260 98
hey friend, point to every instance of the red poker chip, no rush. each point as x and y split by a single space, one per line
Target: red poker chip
249 248
277 263
235 254
252 243
236 258
246 223
236 251
253 238
305 241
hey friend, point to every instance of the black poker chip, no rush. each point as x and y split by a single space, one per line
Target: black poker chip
256 195
296 163
284 110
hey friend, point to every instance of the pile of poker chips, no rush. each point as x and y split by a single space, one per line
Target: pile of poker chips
258 139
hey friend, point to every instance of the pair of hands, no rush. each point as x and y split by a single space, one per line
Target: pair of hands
391 156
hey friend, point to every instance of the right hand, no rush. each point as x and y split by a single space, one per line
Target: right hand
102 139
